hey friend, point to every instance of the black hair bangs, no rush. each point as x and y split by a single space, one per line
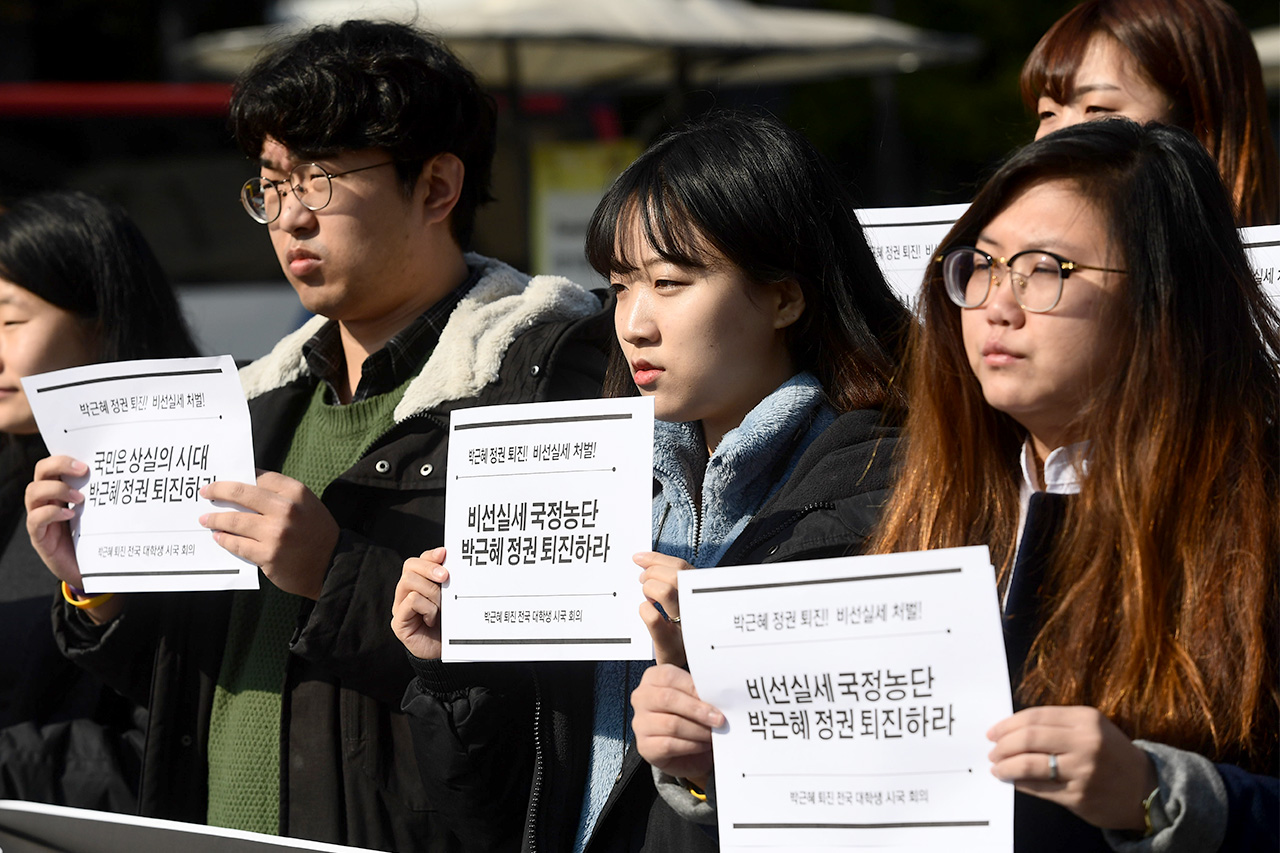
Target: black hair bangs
641 206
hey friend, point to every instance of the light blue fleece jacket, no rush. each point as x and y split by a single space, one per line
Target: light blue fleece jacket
749 465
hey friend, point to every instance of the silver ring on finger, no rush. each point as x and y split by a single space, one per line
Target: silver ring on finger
1053 767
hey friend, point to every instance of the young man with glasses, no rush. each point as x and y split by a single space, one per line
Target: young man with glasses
278 710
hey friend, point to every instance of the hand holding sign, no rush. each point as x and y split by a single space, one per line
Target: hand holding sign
287 531
50 503
661 610
673 726
415 615
1097 771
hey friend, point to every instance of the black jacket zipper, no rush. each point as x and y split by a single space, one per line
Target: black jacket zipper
536 792
789 522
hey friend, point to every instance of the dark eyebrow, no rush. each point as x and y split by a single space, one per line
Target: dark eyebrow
264 163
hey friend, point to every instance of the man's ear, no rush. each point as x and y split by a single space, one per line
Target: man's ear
787 302
440 185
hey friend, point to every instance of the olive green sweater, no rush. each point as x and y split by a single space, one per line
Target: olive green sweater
244 730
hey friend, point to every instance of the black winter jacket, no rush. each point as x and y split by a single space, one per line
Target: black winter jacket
65 738
348 773
515 722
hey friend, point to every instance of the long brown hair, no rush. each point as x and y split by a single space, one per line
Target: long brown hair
1200 54
1160 601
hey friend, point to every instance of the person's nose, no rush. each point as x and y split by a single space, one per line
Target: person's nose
1001 306
294 215
637 321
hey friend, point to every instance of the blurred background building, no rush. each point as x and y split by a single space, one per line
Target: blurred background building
914 100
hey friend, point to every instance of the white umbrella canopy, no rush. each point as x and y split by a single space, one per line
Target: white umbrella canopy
576 44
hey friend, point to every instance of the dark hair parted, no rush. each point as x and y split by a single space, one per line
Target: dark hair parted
366 84
1160 601
87 257
760 195
1200 54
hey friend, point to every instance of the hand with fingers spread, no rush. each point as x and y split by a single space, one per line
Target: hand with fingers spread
1077 758
659 584
287 532
415 613
672 725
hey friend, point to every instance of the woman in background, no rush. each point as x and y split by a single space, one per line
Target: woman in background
1190 63
78 285
1094 394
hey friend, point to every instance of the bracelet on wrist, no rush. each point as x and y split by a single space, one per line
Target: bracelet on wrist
693 789
1146 812
77 598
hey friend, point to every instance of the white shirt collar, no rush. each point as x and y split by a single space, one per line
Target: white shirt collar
1062 470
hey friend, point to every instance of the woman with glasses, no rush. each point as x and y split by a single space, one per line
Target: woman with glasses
1095 395
78 285
1191 63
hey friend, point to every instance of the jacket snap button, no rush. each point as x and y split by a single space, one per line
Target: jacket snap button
382 466
426 470
185 740
535 370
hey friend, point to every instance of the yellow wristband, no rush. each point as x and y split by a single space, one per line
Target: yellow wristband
85 603
697 792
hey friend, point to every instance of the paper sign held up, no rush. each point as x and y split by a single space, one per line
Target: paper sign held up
858 692
546 504
153 433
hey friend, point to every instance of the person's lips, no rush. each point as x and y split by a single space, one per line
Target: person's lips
645 373
302 262
997 354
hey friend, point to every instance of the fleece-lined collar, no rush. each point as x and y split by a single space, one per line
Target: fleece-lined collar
749 464
503 304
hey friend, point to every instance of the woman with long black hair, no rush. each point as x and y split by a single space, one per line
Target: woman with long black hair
78 285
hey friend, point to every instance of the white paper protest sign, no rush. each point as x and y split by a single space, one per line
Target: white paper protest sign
546 504
904 240
153 432
858 692
1262 243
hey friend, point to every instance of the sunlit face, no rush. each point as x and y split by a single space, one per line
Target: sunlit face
1108 83
35 337
1041 369
347 261
705 343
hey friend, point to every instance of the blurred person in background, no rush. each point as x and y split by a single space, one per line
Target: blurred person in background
78 285
1190 63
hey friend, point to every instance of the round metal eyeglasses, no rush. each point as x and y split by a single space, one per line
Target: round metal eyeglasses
1036 276
310 183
